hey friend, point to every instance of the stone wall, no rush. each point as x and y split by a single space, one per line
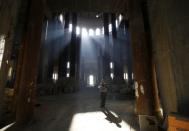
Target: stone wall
169 25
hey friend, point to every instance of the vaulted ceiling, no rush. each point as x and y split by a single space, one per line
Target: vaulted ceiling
118 6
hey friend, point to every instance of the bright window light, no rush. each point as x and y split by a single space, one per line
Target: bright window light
91 32
97 32
110 27
120 18
125 76
55 76
132 76
91 80
112 75
84 32
116 23
70 27
77 30
61 18
2 45
68 65
68 75
111 65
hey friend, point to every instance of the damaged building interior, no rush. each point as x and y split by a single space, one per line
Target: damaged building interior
56 55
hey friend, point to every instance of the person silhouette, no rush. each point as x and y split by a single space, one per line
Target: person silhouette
103 93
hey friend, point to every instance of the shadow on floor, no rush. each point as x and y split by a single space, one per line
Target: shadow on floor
111 117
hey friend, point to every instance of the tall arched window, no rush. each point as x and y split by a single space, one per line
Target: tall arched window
2 45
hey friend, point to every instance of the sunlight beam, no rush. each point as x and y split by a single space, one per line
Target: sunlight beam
84 32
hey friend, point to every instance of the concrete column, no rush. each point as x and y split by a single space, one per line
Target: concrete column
106 24
113 22
106 51
57 43
29 56
51 48
117 57
53 45
170 31
129 52
42 63
141 60
67 20
73 46
63 58
78 51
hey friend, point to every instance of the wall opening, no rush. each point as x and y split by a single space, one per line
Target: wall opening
91 80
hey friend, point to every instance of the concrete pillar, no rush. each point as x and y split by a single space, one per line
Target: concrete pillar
106 51
51 48
113 22
106 24
170 36
57 43
63 58
141 60
129 52
78 51
43 58
73 46
117 57
28 63
67 20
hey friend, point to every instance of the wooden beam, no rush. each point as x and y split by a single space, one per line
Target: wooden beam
175 123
